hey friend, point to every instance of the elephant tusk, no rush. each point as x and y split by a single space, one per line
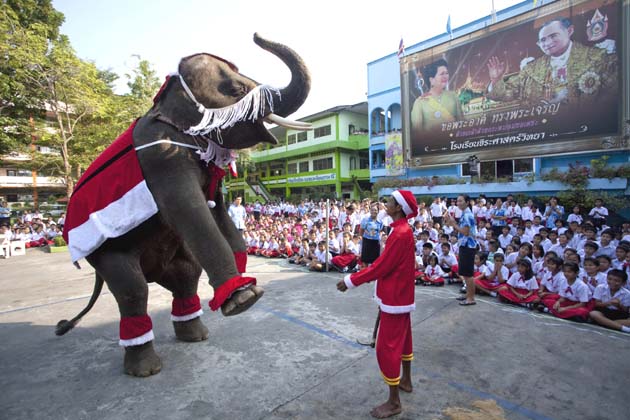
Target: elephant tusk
283 122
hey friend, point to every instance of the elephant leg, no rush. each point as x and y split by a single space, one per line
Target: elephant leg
177 187
181 277
124 278
232 235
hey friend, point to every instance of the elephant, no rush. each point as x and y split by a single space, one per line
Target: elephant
150 208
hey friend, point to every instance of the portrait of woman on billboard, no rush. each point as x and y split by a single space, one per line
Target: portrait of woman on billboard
437 105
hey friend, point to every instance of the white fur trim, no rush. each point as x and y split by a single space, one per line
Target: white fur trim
402 309
190 146
188 317
144 338
118 218
249 108
401 200
348 282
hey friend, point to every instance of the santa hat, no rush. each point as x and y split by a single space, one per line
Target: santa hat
407 201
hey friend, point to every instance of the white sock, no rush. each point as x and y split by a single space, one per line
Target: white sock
625 329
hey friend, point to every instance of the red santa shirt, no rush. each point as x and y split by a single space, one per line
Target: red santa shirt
394 269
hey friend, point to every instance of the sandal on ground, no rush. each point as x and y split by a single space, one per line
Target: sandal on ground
460 298
464 303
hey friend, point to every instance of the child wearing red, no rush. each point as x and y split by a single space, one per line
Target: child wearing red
551 280
433 273
612 301
575 297
394 292
489 280
522 286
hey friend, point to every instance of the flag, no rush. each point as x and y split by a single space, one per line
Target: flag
401 48
448 26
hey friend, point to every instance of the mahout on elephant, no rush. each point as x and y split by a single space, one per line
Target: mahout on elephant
150 208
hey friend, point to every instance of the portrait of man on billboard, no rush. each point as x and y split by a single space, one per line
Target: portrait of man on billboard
568 73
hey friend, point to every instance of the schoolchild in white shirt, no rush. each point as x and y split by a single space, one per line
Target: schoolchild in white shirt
433 273
612 302
575 216
575 296
592 276
447 260
521 287
490 277
551 280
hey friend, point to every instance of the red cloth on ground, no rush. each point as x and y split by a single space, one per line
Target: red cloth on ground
486 284
570 313
507 293
393 344
345 260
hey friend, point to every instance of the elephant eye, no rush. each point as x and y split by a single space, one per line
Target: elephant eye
232 89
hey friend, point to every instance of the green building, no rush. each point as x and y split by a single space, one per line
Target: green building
332 160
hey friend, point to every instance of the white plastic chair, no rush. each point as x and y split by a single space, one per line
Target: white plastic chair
18 248
5 246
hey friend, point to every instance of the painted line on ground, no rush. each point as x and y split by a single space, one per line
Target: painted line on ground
508 405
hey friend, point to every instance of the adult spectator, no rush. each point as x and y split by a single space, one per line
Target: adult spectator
438 208
466 233
237 214
5 214
371 234
553 212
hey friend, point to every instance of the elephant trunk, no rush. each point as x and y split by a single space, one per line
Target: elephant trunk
295 93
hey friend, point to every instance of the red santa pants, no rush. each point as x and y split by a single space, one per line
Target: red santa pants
393 345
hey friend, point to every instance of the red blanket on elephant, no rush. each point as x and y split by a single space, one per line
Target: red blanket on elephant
110 199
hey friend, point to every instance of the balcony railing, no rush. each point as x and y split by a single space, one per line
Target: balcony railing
27 181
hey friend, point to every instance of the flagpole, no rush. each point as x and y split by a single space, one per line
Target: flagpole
494 13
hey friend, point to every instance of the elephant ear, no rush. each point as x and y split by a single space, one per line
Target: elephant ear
159 93
229 63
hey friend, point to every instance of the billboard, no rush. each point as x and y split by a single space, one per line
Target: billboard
544 82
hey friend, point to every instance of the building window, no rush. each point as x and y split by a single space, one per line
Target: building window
502 168
301 136
303 167
322 131
291 139
11 172
523 165
292 168
364 162
353 163
321 164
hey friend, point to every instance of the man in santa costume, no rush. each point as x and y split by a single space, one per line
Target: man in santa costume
394 293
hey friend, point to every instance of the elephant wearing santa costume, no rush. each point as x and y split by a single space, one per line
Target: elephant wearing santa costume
150 208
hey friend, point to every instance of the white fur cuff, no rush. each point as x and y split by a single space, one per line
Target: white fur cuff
348 282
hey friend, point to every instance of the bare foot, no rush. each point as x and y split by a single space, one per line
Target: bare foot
191 330
405 385
142 360
385 410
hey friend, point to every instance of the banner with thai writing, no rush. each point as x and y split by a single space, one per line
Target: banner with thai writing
553 76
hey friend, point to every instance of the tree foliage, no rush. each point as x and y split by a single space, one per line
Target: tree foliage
53 98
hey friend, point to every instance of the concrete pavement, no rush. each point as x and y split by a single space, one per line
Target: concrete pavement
294 355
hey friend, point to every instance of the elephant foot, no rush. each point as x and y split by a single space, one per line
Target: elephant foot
241 300
142 361
191 331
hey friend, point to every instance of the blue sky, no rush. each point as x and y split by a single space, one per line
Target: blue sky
335 38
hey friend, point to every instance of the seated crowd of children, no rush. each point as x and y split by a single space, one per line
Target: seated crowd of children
574 267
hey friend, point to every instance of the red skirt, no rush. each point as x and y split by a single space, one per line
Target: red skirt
344 260
507 293
488 285
581 313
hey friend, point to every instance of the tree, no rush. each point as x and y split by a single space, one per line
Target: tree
50 94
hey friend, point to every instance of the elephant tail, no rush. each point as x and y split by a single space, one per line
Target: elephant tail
64 325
